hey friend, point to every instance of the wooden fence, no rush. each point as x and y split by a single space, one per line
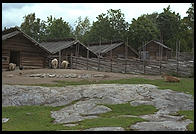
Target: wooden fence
134 66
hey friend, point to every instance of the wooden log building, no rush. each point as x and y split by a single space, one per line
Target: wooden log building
63 49
155 50
21 49
116 49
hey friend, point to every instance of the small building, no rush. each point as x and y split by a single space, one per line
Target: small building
63 49
21 49
116 49
155 50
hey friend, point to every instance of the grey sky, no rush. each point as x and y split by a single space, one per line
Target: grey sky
13 13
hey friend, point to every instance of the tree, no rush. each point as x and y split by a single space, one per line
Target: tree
33 26
57 28
142 30
81 28
109 26
169 24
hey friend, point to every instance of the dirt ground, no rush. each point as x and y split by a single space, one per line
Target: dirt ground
22 76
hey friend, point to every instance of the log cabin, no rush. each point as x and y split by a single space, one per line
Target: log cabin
63 49
21 49
115 49
155 50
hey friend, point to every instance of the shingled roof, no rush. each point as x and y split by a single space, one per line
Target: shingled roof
108 47
56 45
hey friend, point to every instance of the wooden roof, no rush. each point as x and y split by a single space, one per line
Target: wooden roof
54 46
108 47
156 42
13 31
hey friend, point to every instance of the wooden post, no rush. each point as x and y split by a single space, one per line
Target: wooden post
59 59
160 58
99 55
87 57
144 53
111 59
126 44
176 58
76 55
71 66
177 70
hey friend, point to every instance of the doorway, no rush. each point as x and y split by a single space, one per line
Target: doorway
15 57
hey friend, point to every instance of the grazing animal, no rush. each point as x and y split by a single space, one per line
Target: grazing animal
12 66
64 64
54 63
170 78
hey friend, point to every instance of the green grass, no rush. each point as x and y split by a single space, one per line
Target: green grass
188 115
40 115
40 119
127 109
108 122
185 85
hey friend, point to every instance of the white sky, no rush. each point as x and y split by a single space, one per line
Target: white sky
13 13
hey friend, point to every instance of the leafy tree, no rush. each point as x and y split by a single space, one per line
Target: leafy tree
57 28
33 26
81 28
169 24
142 30
109 26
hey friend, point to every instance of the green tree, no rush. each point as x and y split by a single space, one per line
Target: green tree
142 30
81 28
33 26
109 26
169 25
57 28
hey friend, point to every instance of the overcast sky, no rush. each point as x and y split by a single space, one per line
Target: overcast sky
13 13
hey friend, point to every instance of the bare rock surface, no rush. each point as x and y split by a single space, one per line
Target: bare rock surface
89 99
162 126
106 129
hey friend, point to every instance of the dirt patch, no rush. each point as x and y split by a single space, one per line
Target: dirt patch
22 76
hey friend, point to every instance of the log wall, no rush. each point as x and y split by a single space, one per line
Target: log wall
31 56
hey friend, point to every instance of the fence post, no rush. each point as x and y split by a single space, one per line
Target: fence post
111 65
87 58
99 63
160 67
71 60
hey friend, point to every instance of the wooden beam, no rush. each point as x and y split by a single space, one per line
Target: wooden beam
60 59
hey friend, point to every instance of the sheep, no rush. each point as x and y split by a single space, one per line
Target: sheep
64 64
170 78
54 63
12 66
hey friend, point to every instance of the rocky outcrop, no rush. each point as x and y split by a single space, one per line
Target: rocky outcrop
89 99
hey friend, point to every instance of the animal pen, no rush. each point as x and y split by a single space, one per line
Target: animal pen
134 65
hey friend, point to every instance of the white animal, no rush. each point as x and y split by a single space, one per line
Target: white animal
12 66
64 64
54 63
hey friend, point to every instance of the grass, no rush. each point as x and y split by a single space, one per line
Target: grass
127 109
108 122
189 114
39 118
185 85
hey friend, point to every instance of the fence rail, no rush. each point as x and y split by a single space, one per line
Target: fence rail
136 66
